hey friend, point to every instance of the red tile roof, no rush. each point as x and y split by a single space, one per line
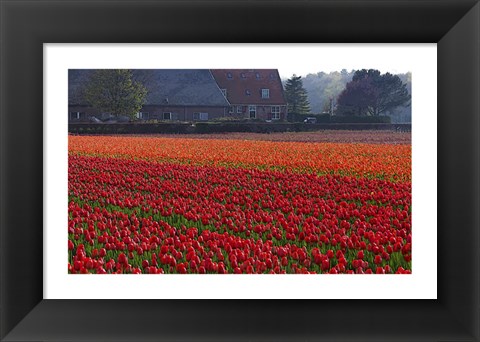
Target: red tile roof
244 86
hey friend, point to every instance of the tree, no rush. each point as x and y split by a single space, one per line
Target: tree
403 114
296 96
322 87
114 91
371 93
356 98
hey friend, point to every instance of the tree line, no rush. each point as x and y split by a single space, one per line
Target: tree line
355 93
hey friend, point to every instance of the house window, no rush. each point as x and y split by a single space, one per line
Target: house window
265 93
229 75
247 92
275 112
252 111
231 109
142 115
243 75
200 116
167 116
224 92
76 115
239 109
257 75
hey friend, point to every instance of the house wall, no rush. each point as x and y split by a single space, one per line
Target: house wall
85 113
152 113
263 112
183 113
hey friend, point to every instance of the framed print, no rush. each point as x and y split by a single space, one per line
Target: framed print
31 311
211 65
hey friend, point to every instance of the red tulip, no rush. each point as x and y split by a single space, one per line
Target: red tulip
325 264
258 221
122 259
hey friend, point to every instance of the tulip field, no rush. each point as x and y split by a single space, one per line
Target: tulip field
163 205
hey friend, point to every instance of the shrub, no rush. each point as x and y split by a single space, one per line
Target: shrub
360 119
321 118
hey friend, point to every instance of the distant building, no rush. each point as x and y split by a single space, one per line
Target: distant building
253 93
78 108
193 94
173 94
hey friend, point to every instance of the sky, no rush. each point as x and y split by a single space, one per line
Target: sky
304 59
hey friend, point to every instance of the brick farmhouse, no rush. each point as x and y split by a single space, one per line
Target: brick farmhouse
253 94
192 94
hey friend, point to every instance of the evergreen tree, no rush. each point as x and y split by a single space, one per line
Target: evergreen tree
113 91
296 96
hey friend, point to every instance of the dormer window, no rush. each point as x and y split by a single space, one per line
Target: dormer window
247 92
257 75
229 75
265 93
242 75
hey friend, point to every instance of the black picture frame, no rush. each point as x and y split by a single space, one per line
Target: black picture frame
26 25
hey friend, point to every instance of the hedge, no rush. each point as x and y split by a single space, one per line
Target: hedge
360 119
215 127
321 118
327 118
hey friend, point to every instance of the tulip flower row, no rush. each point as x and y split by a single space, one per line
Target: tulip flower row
142 216
390 162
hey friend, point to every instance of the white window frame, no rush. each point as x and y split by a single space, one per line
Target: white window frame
169 113
239 109
275 110
141 115
265 93
252 109
200 116
78 115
